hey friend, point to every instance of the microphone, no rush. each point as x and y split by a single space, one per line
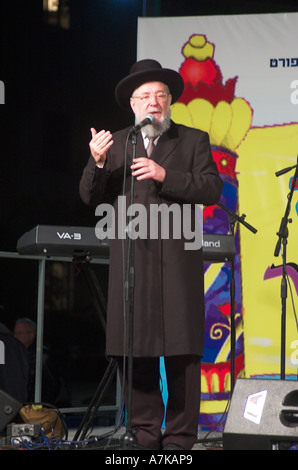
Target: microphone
286 170
150 119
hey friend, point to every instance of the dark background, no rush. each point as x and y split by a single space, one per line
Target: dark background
58 83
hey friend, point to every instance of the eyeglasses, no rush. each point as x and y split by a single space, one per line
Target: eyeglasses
160 96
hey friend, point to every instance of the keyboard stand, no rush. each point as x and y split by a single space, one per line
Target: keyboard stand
101 308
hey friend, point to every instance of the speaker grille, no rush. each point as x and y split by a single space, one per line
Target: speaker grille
263 414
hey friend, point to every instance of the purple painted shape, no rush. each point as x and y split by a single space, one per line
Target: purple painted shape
292 271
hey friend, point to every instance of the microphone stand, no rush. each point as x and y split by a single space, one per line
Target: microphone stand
129 439
282 240
233 218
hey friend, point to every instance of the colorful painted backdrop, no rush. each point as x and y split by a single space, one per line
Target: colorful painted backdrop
241 86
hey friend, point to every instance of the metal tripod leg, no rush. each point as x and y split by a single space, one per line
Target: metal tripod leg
101 308
94 405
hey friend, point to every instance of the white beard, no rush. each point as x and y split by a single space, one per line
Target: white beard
158 128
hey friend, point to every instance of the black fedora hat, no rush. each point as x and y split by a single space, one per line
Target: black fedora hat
144 71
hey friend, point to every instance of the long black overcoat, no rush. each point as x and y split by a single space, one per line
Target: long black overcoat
168 313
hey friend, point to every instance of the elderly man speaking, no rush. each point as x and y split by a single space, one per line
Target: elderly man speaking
173 166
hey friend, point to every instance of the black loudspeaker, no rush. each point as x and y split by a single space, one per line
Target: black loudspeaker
9 408
263 415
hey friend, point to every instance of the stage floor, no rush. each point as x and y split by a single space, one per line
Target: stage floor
206 441
106 438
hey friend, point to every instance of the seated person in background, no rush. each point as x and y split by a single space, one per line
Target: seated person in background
25 331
